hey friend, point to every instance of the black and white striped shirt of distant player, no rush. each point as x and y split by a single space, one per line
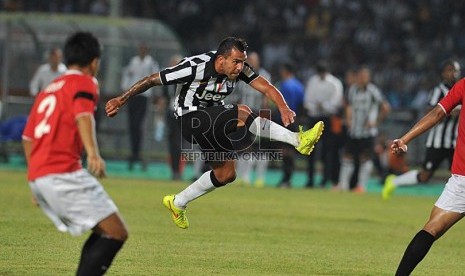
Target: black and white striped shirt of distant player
199 85
365 103
444 134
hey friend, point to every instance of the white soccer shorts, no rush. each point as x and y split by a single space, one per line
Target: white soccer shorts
75 202
453 196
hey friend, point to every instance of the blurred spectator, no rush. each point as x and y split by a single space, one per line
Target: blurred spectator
365 109
350 78
258 103
293 92
323 102
139 66
47 72
12 5
100 7
174 133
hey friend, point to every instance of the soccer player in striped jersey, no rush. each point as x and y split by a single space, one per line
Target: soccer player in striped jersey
450 206
441 139
203 81
60 126
365 109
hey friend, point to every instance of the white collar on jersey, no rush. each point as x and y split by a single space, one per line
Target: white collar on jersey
73 72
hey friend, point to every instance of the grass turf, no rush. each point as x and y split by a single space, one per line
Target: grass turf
234 231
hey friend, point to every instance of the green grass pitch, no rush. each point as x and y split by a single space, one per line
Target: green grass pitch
234 231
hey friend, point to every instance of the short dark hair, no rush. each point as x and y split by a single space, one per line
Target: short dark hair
227 44
447 62
81 48
289 66
322 67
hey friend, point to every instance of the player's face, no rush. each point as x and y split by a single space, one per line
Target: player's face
56 57
233 64
364 77
451 73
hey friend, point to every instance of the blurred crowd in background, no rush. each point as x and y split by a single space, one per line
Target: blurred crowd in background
402 41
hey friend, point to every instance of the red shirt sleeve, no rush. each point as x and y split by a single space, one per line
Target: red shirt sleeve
85 96
454 97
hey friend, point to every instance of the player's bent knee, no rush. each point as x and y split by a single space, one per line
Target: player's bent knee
242 108
112 227
245 114
122 234
424 177
221 178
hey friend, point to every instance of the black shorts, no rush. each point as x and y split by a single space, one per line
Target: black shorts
360 147
434 157
210 127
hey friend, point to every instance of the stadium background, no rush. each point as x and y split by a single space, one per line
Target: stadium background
402 41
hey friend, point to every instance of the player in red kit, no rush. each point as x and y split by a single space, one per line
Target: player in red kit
60 126
450 207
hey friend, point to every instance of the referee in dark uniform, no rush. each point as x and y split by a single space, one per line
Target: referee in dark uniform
441 139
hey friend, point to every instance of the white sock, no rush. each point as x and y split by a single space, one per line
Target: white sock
263 127
347 169
366 167
406 179
201 186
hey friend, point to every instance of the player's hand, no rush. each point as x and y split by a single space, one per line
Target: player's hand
112 106
96 166
34 201
398 146
287 116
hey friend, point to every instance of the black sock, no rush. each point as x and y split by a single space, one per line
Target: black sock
97 254
85 249
415 252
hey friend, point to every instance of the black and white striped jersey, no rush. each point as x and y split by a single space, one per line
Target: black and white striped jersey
444 134
365 104
199 85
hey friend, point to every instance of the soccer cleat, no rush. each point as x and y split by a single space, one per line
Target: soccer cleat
178 215
259 183
308 139
389 187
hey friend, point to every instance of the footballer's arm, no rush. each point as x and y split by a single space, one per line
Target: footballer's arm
271 92
27 147
113 105
86 128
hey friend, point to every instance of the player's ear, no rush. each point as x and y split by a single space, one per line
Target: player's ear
94 66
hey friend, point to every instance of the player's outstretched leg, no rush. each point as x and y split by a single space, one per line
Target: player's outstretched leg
303 141
177 214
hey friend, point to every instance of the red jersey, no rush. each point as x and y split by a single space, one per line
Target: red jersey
455 97
52 127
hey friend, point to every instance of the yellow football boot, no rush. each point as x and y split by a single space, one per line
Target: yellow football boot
178 215
308 139
389 187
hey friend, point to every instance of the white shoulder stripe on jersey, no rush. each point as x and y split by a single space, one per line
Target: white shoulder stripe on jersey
179 74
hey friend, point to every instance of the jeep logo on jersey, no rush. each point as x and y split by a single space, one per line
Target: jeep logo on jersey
210 96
